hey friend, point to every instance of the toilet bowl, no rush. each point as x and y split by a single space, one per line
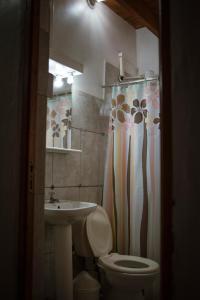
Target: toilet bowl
127 276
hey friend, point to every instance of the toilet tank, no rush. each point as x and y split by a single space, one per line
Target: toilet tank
80 240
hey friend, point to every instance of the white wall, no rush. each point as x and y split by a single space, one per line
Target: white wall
147 46
89 37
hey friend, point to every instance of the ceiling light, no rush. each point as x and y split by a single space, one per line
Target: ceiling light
92 3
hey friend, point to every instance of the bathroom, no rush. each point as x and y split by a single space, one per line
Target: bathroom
97 46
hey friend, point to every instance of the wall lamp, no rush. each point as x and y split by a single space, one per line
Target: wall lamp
92 3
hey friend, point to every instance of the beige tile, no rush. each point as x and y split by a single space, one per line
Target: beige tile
43 63
91 194
50 86
91 158
47 193
66 169
86 112
76 138
48 169
102 157
65 193
111 73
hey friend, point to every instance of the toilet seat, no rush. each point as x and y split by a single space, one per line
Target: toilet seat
129 264
99 234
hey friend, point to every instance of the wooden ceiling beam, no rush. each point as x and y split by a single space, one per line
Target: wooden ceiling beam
148 17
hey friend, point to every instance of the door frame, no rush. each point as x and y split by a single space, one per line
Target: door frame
27 213
166 152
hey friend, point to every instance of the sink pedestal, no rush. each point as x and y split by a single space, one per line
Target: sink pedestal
62 215
63 262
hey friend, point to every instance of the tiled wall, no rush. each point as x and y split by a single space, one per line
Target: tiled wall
78 176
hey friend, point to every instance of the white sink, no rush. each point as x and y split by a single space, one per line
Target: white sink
62 214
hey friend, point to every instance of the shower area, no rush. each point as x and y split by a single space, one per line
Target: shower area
132 169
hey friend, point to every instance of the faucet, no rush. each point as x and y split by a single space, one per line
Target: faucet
52 199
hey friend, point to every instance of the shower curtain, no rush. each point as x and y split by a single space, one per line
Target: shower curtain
132 171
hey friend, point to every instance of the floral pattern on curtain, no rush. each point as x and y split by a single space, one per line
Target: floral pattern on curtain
132 171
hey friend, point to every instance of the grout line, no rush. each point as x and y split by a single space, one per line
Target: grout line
91 131
74 186
80 173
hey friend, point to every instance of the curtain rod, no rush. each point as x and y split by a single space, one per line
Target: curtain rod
136 80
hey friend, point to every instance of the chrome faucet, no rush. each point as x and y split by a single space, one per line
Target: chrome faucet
52 199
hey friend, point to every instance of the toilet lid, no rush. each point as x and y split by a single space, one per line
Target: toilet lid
99 232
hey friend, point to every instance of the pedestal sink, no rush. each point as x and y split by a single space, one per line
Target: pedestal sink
62 215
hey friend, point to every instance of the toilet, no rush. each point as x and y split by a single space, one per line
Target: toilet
124 276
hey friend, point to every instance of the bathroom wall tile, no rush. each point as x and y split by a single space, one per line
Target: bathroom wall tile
66 169
102 157
43 63
50 86
90 158
76 138
49 277
92 146
111 76
91 194
48 169
64 193
111 73
86 112
46 194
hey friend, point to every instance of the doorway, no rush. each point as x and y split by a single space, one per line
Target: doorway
41 101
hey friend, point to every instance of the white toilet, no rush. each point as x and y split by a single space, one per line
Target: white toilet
127 276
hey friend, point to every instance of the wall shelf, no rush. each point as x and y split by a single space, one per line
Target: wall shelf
62 150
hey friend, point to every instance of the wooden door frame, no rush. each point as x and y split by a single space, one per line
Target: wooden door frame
27 203
166 152
26 226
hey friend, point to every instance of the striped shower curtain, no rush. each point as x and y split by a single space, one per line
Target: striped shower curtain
132 170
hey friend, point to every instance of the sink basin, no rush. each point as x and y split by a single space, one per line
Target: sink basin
63 213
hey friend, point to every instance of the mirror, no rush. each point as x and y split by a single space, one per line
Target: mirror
59 106
59 117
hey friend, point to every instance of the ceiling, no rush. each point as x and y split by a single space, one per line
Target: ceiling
138 13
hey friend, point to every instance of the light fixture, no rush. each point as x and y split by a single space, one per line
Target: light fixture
58 82
92 3
62 73
58 69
